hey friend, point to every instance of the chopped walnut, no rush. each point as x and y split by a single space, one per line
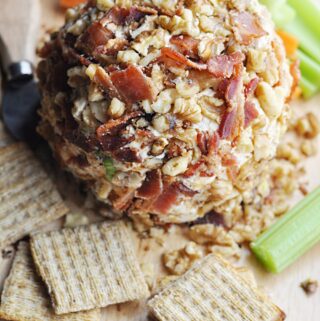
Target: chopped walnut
179 261
309 148
308 126
309 286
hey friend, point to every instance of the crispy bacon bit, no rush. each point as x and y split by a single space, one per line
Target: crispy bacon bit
223 66
186 45
173 58
185 190
126 154
96 35
296 74
251 87
213 144
208 144
203 78
247 27
132 85
112 126
233 92
207 173
152 186
192 169
166 200
229 160
250 113
116 15
103 80
112 143
88 144
112 47
123 202
202 142
211 217
231 123
122 16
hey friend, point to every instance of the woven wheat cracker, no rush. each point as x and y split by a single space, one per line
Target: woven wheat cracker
89 266
213 290
28 198
24 297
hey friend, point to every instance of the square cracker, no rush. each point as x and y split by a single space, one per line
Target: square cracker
24 297
28 198
213 290
89 266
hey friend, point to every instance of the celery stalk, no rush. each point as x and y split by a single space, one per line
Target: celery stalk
308 41
283 15
309 12
289 238
309 68
307 87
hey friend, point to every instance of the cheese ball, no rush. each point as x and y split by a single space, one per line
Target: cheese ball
166 109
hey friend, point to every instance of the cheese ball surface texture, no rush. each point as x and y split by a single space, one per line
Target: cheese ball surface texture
166 109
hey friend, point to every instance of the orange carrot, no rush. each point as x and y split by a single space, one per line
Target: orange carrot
290 42
70 3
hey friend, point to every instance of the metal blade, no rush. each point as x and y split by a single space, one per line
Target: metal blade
19 108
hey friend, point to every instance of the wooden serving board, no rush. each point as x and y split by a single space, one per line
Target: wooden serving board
283 288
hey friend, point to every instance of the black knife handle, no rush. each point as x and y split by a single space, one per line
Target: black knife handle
15 72
18 72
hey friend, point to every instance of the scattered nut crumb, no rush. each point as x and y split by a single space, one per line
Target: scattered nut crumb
179 261
309 286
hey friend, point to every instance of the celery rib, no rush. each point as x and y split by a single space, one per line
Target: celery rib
309 68
307 87
309 12
291 236
308 41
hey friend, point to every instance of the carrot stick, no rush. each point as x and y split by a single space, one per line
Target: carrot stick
70 3
291 43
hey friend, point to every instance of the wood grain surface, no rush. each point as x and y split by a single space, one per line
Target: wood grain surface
283 288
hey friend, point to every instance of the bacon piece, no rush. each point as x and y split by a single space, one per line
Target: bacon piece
186 45
251 87
166 200
192 169
103 80
112 47
185 190
112 143
229 160
250 113
296 74
247 27
203 78
122 16
213 144
211 217
202 142
116 15
208 144
112 126
231 124
126 154
152 186
96 35
223 66
171 58
123 202
110 138
132 85
233 92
